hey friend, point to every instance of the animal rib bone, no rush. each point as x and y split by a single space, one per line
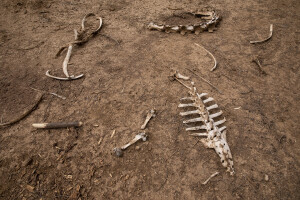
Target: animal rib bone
208 100
215 137
182 105
215 115
220 122
196 128
198 119
119 150
189 112
212 107
149 116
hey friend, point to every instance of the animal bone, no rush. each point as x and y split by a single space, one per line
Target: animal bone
79 39
215 135
264 40
148 117
215 61
119 150
57 125
177 75
195 28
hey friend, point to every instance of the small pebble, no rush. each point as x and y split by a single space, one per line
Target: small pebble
266 177
137 147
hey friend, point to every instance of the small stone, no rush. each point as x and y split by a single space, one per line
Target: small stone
30 188
266 177
137 148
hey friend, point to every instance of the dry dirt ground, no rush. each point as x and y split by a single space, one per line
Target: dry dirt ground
126 71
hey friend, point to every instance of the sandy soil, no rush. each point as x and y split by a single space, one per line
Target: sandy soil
126 71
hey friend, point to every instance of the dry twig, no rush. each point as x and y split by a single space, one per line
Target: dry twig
25 114
264 40
213 57
256 60
208 82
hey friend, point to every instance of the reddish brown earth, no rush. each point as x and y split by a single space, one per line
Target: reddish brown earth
126 71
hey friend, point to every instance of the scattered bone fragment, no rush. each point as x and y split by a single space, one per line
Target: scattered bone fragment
54 125
100 140
213 57
119 150
237 108
150 114
113 133
266 39
211 176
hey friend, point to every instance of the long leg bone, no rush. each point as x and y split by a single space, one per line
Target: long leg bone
119 150
149 116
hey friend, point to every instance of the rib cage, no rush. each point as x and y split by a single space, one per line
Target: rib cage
205 121
195 28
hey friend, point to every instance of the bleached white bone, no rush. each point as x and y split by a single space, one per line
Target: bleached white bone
189 112
215 115
199 134
149 116
198 119
202 95
187 98
208 100
196 128
212 107
182 105
220 122
140 136
222 128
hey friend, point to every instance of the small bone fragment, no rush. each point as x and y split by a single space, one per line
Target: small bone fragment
100 140
238 108
213 57
113 133
119 150
57 125
213 175
264 40
149 116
